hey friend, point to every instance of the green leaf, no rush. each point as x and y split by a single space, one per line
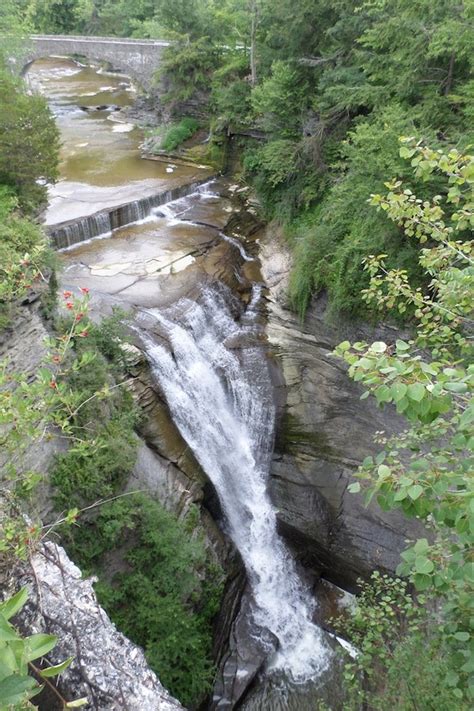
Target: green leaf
402 404
416 391
10 607
383 394
462 636
383 471
423 565
44 374
8 661
378 347
354 488
14 687
400 495
7 633
57 669
38 645
343 347
398 391
456 387
422 582
402 345
421 546
415 491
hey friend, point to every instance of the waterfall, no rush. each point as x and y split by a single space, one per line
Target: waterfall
238 245
214 375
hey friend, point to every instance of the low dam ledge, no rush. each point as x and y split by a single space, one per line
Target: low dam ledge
70 232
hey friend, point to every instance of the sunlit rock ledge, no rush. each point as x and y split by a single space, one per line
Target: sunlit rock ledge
107 667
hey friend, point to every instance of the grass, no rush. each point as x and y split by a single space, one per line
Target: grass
180 132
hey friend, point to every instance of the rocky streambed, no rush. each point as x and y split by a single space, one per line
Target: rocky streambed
204 287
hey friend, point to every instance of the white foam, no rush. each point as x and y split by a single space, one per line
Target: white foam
222 402
123 127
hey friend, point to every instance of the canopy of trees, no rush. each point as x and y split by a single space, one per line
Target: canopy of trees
331 85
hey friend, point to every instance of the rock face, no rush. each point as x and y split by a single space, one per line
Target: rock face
247 648
324 433
22 346
107 668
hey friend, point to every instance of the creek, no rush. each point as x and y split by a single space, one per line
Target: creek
152 238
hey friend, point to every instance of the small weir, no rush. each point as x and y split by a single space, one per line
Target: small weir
67 234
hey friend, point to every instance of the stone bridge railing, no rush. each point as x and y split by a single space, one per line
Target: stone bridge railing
136 57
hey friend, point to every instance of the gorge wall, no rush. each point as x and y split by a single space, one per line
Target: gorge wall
323 434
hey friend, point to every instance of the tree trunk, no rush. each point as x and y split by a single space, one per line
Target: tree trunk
253 34
449 79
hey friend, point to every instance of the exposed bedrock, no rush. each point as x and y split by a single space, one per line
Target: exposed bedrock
324 432
107 668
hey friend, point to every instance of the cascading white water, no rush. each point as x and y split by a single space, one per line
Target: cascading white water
101 224
238 245
215 378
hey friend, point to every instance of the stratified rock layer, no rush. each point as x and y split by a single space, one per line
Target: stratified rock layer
108 669
325 431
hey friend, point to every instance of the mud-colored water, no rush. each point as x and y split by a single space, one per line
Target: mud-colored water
100 157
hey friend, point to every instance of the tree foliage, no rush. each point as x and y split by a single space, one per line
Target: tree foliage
427 470
27 133
167 594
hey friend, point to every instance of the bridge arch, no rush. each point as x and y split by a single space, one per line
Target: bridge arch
139 59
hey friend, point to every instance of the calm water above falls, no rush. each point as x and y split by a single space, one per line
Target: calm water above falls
100 163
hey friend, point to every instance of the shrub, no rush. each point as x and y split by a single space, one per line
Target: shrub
23 254
187 68
401 661
166 593
103 419
179 133
96 469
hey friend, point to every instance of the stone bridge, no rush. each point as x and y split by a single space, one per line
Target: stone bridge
135 57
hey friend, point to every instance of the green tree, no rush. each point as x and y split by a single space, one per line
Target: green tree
168 593
54 16
279 102
361 74
29 134
427 470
